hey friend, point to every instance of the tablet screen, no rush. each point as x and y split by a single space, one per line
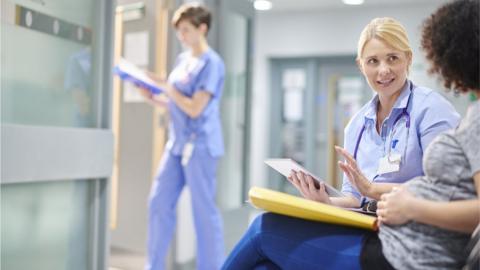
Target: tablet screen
286 165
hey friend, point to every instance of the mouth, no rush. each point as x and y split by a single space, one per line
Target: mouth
385 83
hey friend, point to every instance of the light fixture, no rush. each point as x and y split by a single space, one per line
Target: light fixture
262 4
352 2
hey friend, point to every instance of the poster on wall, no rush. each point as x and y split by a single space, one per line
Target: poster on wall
135 51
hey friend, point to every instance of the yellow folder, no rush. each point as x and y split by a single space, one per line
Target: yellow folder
289 205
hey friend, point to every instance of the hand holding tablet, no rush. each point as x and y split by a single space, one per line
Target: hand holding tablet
285 166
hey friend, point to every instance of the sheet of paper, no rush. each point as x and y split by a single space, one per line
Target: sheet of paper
286 165
136 48
134 71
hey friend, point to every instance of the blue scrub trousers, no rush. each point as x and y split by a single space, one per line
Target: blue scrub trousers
200 175
280 242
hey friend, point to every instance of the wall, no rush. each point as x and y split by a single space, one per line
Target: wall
136 147
320 33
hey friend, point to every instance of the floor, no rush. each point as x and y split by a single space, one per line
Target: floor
235 223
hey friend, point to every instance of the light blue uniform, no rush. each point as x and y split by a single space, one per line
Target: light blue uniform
430 114
199 173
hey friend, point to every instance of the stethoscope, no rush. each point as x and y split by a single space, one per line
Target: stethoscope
404 113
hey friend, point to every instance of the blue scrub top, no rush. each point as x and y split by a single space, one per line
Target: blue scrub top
204 131
430 114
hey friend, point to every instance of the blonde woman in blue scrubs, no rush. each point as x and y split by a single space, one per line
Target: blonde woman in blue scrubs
195 143
385 140
384 145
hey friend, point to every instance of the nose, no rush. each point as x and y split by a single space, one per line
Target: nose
384 69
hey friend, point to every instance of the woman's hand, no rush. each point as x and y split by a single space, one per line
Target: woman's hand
159 100
161 82
354 174
155 77
144 92
395 208
306 185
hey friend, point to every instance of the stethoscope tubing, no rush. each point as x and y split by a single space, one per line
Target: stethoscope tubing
404 113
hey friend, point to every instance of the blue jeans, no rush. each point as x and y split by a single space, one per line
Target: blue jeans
280 242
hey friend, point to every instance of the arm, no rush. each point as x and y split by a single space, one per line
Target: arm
401 206
460 216
155 100
208 80
347 202
192 106
376 190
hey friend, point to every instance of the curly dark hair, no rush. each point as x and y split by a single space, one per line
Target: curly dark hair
450 40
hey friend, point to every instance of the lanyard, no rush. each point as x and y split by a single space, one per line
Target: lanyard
402 114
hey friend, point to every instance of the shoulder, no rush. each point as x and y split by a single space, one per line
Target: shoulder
213 57
431 109
426 96
471 122
428 101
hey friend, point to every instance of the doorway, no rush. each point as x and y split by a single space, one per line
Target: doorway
312 101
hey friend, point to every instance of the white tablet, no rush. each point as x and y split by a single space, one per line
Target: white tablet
286 165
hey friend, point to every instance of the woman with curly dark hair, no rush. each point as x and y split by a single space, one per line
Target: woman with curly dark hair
424 223
451 43
429 219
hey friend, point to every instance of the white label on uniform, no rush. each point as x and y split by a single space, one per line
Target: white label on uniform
386 166
395 158
187 153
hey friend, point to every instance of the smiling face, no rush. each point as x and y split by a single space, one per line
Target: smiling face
189 35
384 67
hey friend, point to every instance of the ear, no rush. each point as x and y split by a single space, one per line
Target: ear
203 28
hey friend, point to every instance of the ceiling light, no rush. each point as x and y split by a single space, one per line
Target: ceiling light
262 5
352 2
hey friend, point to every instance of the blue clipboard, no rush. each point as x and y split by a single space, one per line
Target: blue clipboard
129 72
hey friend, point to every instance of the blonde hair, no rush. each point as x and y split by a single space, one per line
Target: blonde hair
389 31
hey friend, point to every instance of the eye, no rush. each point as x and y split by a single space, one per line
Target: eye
372 61
392 58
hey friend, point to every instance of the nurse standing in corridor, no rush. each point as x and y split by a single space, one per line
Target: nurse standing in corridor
194 89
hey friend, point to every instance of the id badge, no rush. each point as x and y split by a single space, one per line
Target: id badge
388 165
187 153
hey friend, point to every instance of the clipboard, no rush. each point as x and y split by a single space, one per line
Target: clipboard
285 165
289 205
129 72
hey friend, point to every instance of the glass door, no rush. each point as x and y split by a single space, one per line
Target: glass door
235 43
292 119
342 91
56 143
312 100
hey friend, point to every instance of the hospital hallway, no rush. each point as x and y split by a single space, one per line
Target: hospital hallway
235 223
81 144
